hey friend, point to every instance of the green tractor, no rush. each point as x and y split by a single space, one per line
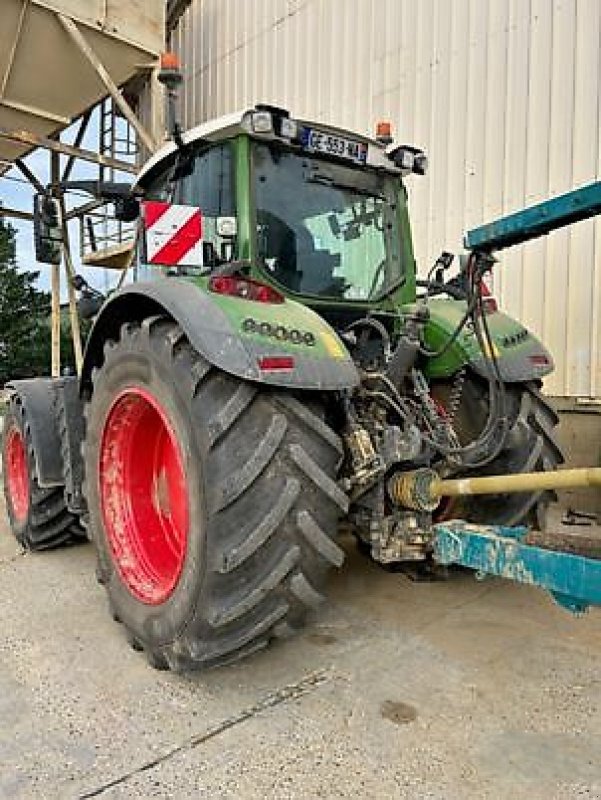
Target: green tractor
271 372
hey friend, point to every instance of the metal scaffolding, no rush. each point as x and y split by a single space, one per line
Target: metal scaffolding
104 241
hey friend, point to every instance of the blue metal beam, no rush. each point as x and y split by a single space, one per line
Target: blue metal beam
574 581
539 220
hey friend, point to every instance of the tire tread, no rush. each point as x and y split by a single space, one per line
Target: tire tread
272 504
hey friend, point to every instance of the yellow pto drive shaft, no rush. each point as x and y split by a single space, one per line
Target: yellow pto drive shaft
422 489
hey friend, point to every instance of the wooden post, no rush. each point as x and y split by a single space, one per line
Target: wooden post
56 321
56 290
130 260
69 274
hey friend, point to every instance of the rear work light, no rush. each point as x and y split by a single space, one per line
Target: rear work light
245 289
262 122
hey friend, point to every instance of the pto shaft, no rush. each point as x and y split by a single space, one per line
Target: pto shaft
422 489
528 482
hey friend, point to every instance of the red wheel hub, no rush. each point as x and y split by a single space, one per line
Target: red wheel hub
143 495
17 474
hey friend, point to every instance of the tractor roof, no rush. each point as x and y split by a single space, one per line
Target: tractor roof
231 125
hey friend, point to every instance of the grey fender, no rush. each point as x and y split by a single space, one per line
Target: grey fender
531 362
211 333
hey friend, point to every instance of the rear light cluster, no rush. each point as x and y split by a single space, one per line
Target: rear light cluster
489 304
540 360
276 363
245 289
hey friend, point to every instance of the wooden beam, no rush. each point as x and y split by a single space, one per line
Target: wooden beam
13 212
84 209
16 213
111 87
31 139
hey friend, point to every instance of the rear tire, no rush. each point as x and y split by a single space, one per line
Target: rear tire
259 511
530 446
38 516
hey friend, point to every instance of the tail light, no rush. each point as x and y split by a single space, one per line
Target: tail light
540 360
489 304
276 363
245 289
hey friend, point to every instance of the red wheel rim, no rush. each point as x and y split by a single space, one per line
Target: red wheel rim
17 474
143 495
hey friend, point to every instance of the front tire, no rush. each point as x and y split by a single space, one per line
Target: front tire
232 483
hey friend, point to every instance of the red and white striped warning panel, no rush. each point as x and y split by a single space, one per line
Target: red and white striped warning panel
173 234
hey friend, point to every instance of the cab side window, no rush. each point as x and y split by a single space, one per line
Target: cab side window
208 183
210 186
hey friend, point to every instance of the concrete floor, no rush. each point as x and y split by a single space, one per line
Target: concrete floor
461 689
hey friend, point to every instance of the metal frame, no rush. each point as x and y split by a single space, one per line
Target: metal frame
105 160
15 213
56 148
54 145
538 220
573 580
83 126
111 87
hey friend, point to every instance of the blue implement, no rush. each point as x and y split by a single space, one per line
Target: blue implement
538 220
573 580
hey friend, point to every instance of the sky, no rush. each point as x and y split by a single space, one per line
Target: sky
17 192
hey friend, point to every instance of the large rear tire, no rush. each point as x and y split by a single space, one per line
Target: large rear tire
530 446
212 501
39 517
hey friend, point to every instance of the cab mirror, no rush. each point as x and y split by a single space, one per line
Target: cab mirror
47 232
127 209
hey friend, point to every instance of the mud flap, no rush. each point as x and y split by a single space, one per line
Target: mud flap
53 415
38 397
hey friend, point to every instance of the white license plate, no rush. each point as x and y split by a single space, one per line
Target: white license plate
322 142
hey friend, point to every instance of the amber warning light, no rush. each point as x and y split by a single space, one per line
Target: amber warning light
384 132
169 72
169 61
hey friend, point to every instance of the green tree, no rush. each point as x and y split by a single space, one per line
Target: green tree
25 333
24 310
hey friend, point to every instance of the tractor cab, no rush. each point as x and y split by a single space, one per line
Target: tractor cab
317 213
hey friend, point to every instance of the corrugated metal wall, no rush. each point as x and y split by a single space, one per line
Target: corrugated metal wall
504 95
